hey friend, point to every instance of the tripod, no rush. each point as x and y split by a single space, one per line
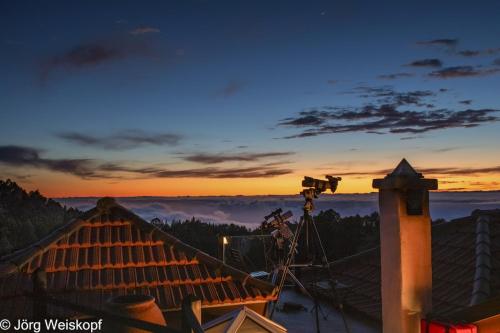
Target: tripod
307 222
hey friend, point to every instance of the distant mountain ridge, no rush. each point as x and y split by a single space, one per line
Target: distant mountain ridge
27 216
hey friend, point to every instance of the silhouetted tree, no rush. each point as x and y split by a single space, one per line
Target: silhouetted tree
27 217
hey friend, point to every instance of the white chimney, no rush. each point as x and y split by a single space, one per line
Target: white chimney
405 248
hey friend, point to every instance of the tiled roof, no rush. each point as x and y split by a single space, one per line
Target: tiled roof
111 251
455 255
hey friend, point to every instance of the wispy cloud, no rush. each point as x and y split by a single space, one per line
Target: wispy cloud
259 171
446 42
462 72
395 76
388 112
413 137
205 158
445 150
232 88
387 95
442 171
485 184
144 30
385 119
249 172
426 63
475 53
92 54
19 156
127 139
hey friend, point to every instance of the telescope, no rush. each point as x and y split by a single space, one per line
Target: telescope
277 221
276 212
315 187
320 185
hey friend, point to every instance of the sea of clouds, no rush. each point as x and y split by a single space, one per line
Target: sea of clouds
250 210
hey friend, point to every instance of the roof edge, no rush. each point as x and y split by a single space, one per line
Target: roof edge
478 312
481 284
13 262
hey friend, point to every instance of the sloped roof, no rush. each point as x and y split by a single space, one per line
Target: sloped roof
110 251
243 320
459 251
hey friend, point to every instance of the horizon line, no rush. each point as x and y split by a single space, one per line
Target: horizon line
250 195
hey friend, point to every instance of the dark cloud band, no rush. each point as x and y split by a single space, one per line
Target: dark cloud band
443 171
426 63
18 156
395 76
204 158
122 140
446 42
389 112
92 54
462 72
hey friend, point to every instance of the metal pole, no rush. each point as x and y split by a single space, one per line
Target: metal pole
224 243
335 294
287 264
316 310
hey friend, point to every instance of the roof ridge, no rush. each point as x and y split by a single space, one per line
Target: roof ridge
481 284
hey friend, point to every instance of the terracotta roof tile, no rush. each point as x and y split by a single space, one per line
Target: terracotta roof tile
115 252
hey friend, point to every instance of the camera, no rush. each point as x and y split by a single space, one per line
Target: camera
320 185
315 187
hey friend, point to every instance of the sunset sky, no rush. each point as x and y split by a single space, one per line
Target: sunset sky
130 98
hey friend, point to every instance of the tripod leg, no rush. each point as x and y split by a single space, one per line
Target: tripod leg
323 314
335 294
287 263
301 286
316 232
316 314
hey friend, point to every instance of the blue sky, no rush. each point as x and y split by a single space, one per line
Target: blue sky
215 78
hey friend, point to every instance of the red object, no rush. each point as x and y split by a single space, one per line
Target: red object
440 327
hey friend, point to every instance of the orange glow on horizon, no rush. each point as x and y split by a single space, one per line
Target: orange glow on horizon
56 185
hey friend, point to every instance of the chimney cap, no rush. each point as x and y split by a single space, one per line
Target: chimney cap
404 177
405 169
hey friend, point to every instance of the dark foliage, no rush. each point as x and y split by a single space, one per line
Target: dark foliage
201 235
27 217
344 236
341 236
